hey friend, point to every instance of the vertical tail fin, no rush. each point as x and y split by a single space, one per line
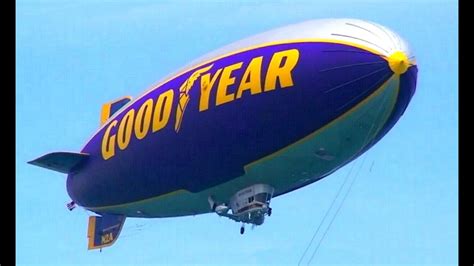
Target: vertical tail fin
104 230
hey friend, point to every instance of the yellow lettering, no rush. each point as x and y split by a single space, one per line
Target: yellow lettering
125 129
107 238
206 86
162 110
283 73
253 75
225 81
108 142
143 119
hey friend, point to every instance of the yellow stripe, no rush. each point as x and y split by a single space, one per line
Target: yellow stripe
105 113
91 231
313 40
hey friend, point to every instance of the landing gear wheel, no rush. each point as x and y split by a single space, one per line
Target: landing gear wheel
269 212
242 230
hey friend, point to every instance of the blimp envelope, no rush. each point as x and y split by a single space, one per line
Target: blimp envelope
248 122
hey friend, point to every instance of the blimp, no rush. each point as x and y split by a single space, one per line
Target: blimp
246 123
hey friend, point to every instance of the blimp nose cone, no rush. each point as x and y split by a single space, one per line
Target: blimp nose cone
398 62
369 36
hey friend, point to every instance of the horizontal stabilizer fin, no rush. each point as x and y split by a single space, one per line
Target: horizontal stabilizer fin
110 108
64 162
104 230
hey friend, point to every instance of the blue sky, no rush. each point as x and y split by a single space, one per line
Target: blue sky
73 56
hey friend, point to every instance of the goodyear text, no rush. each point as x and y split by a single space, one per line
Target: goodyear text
154 114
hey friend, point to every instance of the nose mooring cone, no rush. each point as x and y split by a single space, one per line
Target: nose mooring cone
398 62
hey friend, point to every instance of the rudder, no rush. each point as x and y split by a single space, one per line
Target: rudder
104 230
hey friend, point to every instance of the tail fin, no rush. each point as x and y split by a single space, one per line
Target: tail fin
64 162
110 108
104 230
